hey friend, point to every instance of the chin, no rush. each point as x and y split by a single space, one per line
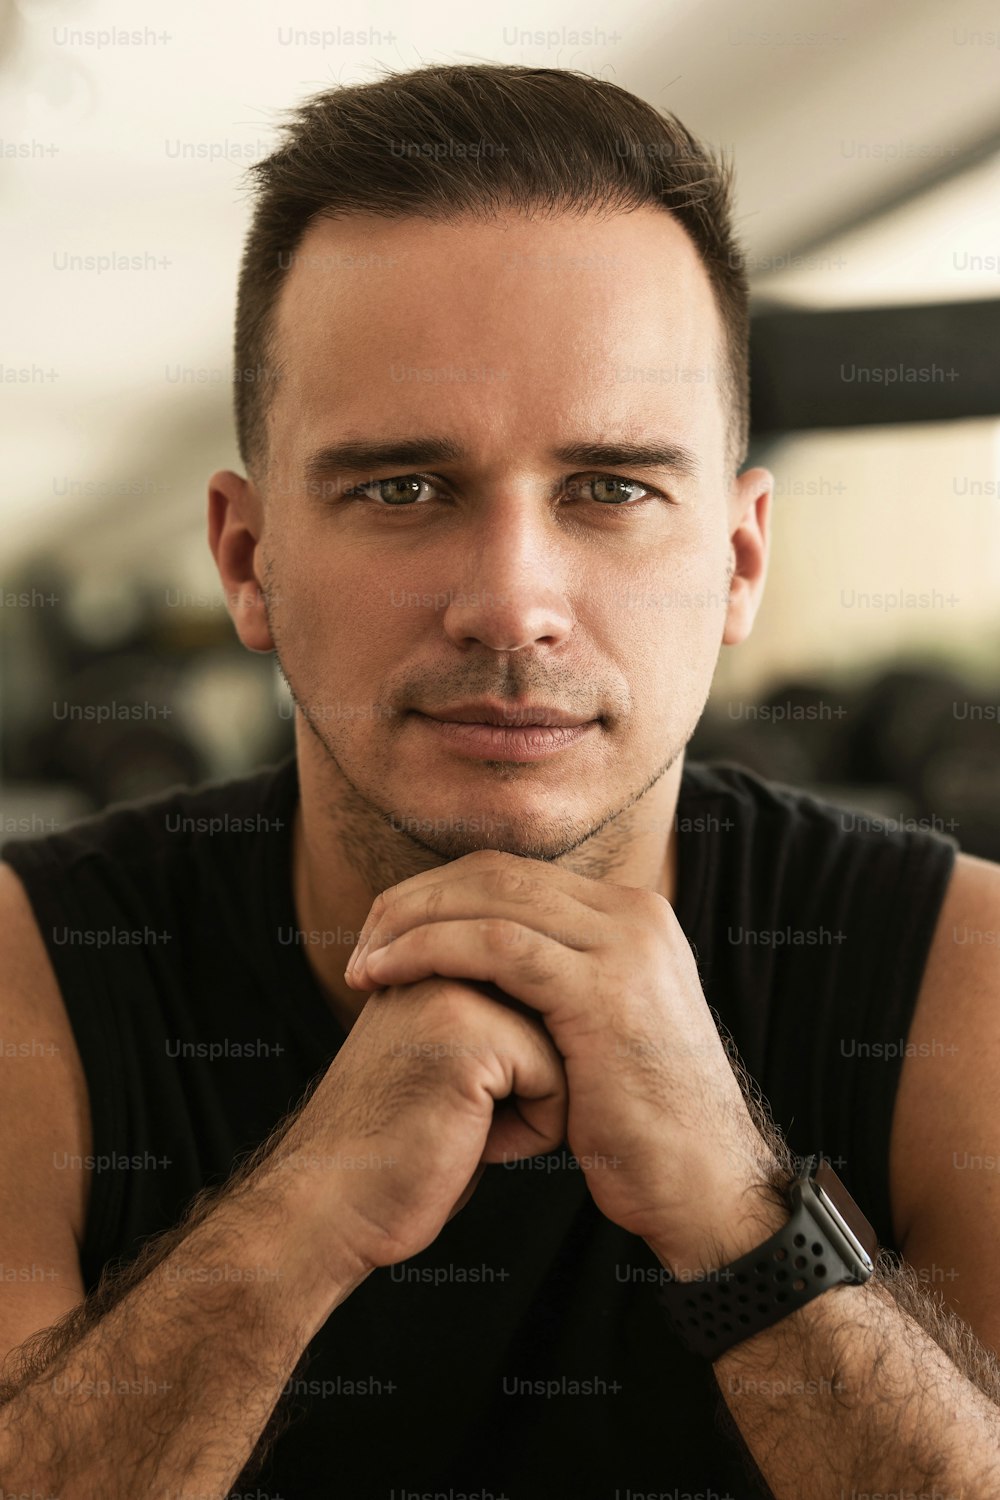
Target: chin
530 836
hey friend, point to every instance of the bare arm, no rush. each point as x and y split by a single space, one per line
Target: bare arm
174 1364
894 1388
172 1369
868 1390
171 1373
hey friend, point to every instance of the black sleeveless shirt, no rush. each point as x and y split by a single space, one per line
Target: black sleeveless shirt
524 1352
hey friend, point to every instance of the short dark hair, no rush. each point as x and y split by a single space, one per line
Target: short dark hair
451 140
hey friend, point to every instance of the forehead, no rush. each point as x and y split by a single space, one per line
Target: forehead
391 324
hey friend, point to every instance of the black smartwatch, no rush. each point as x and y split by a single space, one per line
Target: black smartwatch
827 1242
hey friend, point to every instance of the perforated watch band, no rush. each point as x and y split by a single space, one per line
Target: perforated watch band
721 1308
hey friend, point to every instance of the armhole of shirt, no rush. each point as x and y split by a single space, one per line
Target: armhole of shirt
893 889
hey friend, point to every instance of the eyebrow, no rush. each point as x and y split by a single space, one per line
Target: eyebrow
361 455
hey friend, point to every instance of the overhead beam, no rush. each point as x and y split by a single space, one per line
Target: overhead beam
852 367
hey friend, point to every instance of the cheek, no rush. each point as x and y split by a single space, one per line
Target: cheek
343 620
666 632
678 593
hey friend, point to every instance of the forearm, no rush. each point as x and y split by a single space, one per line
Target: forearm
852 1396
866 1390
170 1389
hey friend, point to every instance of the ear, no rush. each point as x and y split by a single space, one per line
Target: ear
235 525
749 539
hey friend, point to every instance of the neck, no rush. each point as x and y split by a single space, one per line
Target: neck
344 854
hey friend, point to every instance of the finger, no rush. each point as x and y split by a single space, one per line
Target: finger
460 908
531 967
531 896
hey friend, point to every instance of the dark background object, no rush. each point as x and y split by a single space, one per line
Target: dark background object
808 368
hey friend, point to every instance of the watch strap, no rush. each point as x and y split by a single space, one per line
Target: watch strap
717 1309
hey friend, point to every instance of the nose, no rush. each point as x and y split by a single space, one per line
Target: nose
512 590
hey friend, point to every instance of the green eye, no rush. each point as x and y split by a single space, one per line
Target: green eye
605 488
381 485
403 490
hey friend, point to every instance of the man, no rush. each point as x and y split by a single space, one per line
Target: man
421 1225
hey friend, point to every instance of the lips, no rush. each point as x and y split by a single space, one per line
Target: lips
508 716
515 743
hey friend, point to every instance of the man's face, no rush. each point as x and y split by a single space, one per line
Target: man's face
505 572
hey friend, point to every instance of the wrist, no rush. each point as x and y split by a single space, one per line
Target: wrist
741 1217
294 1238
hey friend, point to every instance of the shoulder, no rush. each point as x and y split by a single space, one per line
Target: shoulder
810 841
94 874
129 832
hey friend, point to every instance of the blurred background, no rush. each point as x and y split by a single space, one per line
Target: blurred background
866 141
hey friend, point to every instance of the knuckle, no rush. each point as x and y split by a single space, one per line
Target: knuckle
535 970
500 933
445 998
644 909
511 881
490 856
503 935
378 906
435 900
660 911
